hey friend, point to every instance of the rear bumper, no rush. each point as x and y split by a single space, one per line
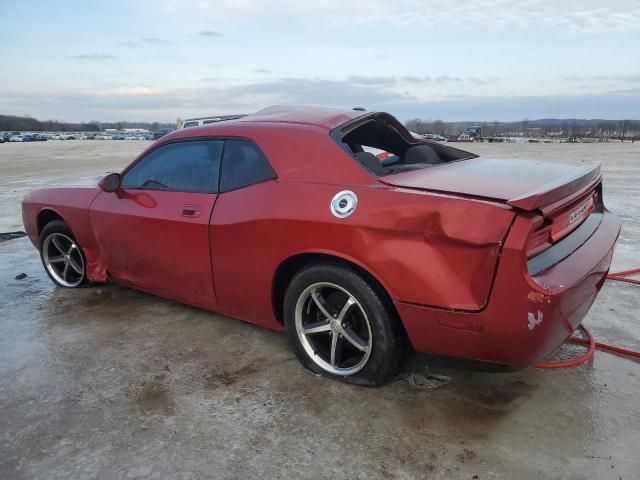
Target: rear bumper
527 316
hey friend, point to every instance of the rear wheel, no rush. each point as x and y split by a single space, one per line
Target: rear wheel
62 257
339 326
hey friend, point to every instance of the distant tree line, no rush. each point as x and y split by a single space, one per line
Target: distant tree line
11 123
564 128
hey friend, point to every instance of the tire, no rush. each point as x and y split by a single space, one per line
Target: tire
366 334
62 257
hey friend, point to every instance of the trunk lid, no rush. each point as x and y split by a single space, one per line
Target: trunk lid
524 184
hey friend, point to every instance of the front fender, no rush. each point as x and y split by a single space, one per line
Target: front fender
72 206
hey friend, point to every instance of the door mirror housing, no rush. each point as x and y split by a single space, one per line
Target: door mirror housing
111 183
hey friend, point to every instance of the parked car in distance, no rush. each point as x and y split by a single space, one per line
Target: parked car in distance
161 132
16 138
435 137
283 219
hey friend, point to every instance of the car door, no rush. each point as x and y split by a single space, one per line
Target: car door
154 231
238 224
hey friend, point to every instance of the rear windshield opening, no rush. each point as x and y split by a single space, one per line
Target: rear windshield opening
384 147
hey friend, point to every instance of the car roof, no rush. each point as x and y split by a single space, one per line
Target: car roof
324 117
277 116
328 118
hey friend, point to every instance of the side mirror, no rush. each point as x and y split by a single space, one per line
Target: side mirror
110 183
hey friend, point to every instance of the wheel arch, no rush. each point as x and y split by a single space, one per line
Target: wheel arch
79 224
293 264
45 216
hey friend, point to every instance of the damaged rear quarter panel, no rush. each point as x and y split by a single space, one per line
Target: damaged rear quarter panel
422 248
436 250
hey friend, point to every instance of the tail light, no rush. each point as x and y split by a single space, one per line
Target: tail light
540 238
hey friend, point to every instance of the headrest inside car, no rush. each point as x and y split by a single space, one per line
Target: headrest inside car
421 154
370 161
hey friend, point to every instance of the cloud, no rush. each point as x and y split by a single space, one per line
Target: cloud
589 16
610 84
92 57
372 80
209 33
448 79
604 78
155 41
627 78
513 108
484 81
261 70
315 91
627 91
129 44
416 79
135 85
154 104
145 102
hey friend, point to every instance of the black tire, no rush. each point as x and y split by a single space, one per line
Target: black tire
59 230
386 348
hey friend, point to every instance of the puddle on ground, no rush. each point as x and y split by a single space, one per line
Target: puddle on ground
155 399
216 378
422 380
11 235
501 396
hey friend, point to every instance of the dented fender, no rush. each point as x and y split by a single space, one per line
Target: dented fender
72 205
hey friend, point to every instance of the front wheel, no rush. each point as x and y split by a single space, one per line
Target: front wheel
339 326
62 257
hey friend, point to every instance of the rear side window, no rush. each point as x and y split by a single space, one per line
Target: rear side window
243 164
178 167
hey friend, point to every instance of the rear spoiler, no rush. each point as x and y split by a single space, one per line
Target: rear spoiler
561 191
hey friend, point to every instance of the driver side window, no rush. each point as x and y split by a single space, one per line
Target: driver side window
191 166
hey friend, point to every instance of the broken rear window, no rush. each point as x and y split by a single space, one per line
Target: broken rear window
384 146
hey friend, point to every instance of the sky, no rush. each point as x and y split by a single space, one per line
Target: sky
156 60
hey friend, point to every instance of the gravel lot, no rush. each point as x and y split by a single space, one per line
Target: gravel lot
111 383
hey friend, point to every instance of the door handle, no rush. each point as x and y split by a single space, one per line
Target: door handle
192 211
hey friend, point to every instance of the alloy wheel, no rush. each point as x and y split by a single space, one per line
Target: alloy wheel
62 258
333 328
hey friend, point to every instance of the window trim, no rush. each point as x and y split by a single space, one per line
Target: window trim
222 138
154 148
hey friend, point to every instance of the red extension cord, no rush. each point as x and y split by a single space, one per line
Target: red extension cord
619 277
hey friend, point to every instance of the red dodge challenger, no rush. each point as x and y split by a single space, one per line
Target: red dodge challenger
283 218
